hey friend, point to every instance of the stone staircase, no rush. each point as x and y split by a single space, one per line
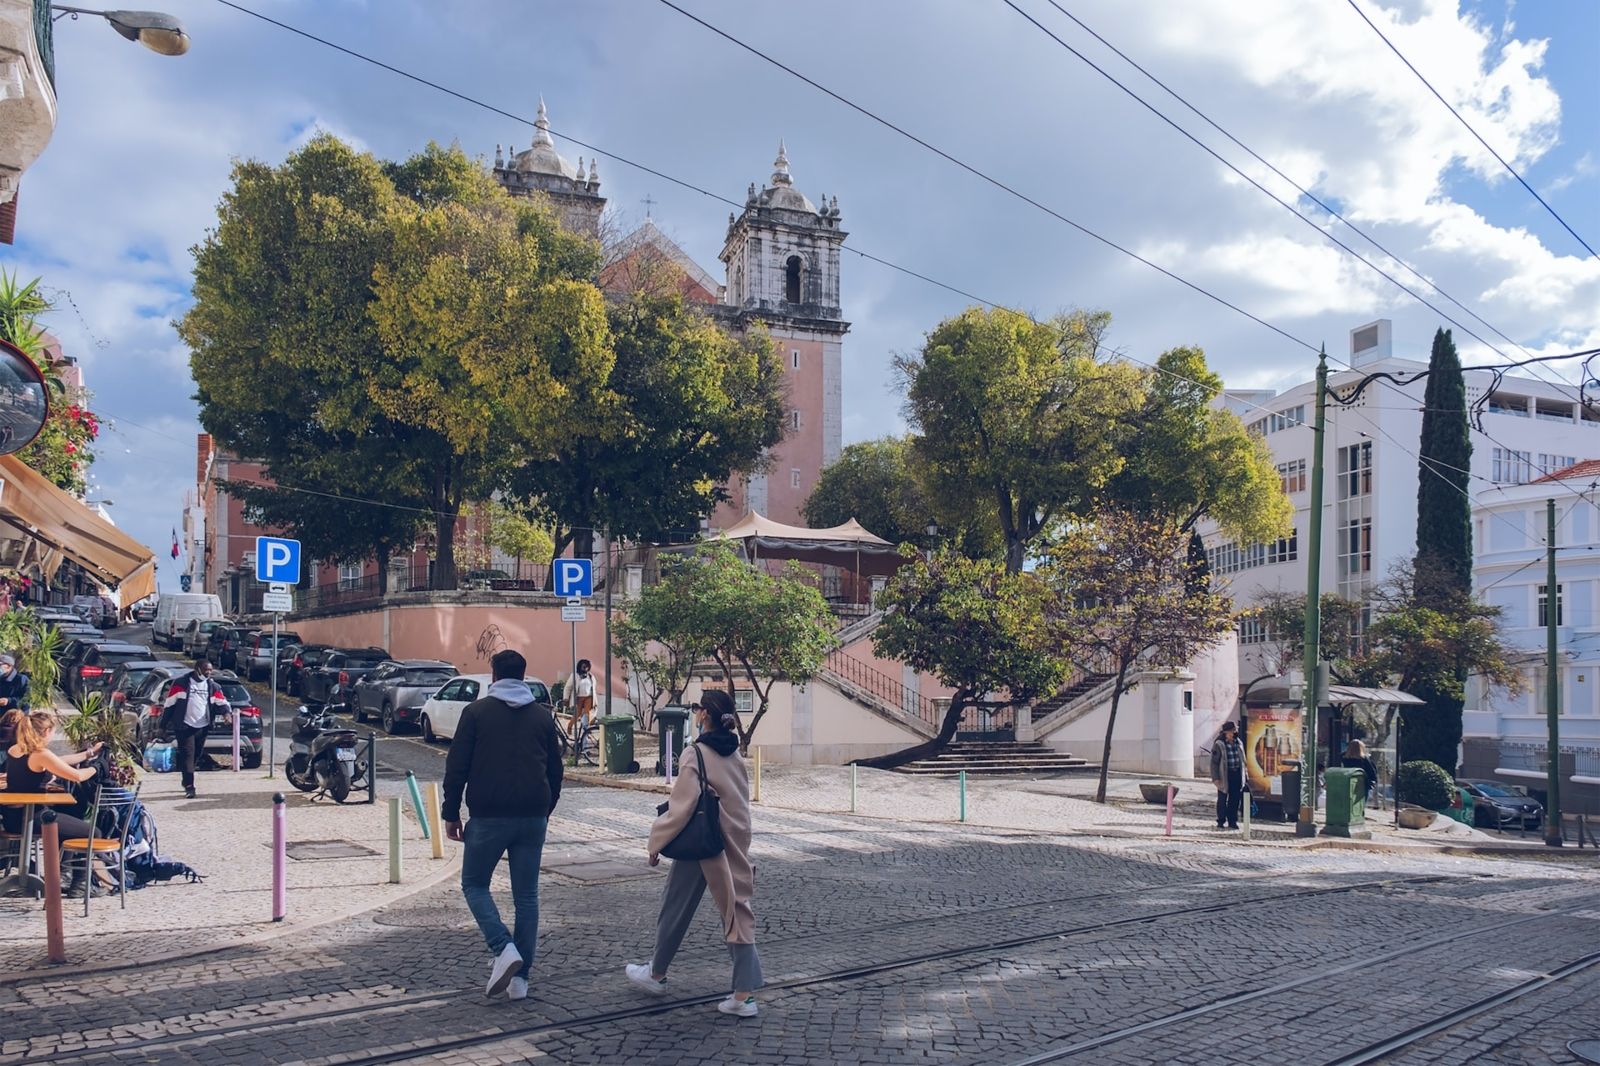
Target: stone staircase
1085 684
995 757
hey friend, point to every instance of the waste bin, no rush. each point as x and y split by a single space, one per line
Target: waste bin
1347 803
1290 807
618 732
670 721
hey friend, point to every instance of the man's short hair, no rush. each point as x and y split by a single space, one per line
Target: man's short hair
508 665
202 661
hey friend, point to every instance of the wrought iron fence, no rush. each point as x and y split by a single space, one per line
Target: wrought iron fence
885 688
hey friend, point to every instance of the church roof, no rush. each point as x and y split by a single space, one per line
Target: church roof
649 236
782 192
541 156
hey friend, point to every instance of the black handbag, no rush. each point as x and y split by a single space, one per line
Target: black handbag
701 838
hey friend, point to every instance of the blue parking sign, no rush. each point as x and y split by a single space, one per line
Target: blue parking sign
574 577
278 559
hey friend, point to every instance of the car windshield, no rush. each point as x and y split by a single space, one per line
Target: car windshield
540 693
112 658
429 677
1495 790
235 692
132 679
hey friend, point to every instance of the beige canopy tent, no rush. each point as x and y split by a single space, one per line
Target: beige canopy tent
848 545
54 525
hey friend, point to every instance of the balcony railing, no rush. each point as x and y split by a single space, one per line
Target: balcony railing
44 38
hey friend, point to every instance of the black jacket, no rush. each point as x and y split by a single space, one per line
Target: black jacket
14 690
508 760
176 703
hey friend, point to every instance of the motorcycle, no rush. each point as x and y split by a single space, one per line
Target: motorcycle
322 756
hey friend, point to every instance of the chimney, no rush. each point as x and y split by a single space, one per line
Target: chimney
202 457
1372 342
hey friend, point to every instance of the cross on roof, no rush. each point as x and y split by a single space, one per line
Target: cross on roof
648 204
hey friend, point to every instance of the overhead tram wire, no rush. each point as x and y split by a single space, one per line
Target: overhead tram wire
466 98
1479 137
1270 166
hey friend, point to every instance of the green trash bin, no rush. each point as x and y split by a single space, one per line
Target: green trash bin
670 721
618 731
1347 803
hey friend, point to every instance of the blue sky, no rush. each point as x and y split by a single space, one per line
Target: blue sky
144 143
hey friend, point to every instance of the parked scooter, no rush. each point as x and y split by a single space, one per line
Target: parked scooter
322 756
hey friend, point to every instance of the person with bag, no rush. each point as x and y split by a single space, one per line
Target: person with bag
704 828
186 714
506 757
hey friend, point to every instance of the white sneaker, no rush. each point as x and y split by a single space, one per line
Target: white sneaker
639 973
517 989
741 1008
505 968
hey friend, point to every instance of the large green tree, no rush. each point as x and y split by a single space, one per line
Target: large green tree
1021 417
1441 576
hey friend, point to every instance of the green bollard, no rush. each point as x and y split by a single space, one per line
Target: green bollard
852 788
963 795
416 802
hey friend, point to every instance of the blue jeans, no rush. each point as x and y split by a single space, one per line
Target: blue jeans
521 840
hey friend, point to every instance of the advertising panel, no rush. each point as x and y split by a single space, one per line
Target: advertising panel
1271 746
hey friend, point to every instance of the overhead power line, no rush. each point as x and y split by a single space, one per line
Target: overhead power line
1479 137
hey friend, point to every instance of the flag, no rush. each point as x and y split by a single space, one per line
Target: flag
174 543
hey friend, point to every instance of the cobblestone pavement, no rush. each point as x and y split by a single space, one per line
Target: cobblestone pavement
891 943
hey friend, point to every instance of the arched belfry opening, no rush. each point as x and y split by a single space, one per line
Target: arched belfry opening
793 274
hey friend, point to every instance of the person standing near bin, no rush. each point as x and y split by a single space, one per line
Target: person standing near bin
1355 758
506 756
1227 774
729 874
582 696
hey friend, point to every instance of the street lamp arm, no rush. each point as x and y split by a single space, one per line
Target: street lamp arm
156 30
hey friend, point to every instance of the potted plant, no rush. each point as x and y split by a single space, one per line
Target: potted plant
98 722
1157 793
1427 787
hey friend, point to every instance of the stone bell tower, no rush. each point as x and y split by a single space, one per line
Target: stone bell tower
540 169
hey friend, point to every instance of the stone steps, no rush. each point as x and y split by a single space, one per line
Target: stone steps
995 757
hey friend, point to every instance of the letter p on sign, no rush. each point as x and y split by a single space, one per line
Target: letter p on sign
278 559
574 577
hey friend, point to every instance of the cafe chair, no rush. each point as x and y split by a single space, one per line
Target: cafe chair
82 851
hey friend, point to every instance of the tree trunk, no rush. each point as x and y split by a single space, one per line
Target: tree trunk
1111 723
383 570
928 748
583 544
1016 552
447 508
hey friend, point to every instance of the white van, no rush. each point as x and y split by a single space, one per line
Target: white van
175 610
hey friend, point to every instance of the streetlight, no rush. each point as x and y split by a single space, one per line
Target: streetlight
159 32
932 530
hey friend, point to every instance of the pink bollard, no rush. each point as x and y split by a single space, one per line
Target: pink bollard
1169 810
672 739
235 717
279 889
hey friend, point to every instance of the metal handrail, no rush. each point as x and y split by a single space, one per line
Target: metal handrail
892 692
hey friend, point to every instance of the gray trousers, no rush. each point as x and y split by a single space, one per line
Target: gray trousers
685 886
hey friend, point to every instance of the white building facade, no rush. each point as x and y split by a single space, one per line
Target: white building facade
1369 521
1506 734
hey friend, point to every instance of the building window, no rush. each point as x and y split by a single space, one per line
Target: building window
1356 547
1511 467
1284 550
794 479
1293 476
349 575
1549 464
1544 605
1355 470
794 358
793 271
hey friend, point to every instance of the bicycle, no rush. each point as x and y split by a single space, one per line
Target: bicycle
585 745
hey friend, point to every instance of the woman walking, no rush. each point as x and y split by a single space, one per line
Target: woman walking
729 874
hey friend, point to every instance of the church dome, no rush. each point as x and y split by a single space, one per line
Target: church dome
782 193
541 157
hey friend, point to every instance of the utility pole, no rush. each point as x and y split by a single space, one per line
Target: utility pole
610 570
1306 826
1552 683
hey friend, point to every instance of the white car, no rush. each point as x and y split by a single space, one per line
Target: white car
442 713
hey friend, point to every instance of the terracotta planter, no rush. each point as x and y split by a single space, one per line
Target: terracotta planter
1416 818
1156 793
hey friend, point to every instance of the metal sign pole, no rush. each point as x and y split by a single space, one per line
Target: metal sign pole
272 737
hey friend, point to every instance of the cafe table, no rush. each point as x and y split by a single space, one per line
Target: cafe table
23 881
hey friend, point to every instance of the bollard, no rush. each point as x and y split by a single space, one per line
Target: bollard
756 796
852 788
280 903
435 818
672 739
963 795
416 802
54 928
1169 810
394 840
235 717
1246 813
372 767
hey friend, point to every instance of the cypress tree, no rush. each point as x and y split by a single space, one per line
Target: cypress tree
1442 573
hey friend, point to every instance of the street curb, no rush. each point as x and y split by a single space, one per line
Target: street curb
627 784
449 866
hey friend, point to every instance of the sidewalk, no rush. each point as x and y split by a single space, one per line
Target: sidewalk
226 835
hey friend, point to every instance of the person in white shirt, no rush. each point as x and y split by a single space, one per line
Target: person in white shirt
186 715
582 696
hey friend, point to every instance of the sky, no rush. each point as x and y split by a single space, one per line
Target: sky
144 145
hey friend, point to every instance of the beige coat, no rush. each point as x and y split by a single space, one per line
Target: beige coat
730 876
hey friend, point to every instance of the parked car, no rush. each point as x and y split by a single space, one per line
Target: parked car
91 671
92 609
261 651
128 676
75 630
330 683
145 611
75 649
441 713
396 691
143 709
1497 806
225 644
298 660
196 637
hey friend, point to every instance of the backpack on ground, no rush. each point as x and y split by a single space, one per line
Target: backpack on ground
143 861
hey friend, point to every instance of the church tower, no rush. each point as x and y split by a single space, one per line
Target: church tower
540 169
782 259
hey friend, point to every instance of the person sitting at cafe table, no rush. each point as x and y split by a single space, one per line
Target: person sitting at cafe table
30 764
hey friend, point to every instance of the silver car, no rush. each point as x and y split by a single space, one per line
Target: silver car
197 635
397 689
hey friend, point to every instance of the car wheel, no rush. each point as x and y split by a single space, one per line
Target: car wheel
427 730
390 726
360 712
251 762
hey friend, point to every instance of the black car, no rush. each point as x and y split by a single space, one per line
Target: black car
91 671
299 663
128 677
143 710
1497 806
227 643
329 684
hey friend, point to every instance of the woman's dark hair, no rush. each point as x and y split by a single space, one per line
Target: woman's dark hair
584 664
719 708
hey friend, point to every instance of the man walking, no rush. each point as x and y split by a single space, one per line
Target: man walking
186 715
1227 774
506 755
